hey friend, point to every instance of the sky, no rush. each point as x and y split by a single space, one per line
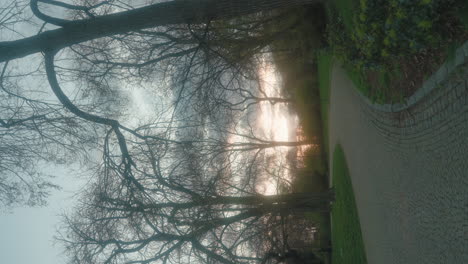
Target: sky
27 234
276 121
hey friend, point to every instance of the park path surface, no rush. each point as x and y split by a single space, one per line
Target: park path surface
409 170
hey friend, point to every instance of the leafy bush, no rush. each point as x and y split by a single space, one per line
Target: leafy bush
390 29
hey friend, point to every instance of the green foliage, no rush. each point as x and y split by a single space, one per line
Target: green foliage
378 40
347 243
295 58
307 105
388 29
344 11
462 14
305 35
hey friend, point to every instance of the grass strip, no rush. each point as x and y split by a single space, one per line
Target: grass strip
347 243
324 63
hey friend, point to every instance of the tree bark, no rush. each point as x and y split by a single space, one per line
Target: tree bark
281 202
167 13
264 145
297 202
259 203
274 100
273 144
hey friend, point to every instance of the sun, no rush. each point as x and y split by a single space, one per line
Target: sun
274 120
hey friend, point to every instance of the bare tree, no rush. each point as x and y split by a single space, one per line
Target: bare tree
182 215
33 130
148 203
167 13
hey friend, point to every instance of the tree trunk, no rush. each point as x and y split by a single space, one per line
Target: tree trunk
298 202
274 144
167 13
274 100
291 202
265 145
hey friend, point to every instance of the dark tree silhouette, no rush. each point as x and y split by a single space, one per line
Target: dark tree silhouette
149 204
89 36
162 14
181 215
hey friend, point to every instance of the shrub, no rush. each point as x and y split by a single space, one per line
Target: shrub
390 29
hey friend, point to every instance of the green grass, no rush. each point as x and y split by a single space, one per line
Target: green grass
347 243
324 65
346 10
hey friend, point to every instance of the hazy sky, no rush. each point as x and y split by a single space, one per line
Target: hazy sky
26 235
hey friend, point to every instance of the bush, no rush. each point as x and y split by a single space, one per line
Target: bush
390 29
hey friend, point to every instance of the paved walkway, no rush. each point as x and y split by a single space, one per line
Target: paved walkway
409 171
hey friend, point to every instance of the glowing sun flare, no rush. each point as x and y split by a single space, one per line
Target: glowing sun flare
274 121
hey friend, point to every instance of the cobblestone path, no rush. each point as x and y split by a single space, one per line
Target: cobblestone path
409 171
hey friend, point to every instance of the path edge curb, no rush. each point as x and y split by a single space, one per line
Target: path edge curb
432 83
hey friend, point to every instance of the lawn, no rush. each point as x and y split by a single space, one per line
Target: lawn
347 243
324 66
346 238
